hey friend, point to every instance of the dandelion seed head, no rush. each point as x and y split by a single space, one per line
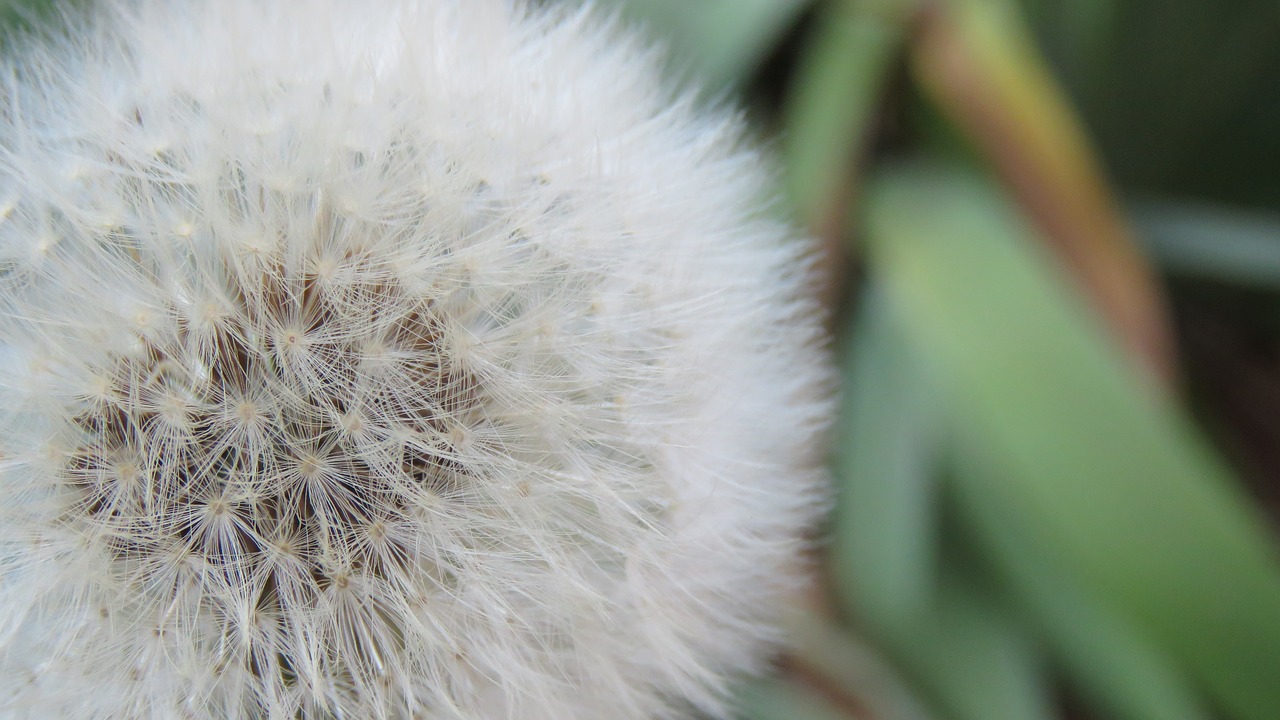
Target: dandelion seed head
389 360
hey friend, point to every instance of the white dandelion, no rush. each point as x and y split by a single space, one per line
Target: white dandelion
389 359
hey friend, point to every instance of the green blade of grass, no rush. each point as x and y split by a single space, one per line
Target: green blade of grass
884 528
1229 245
20 15
972 656
723 39
1113 482
859 670
1112 662
839 81
780 700
979 63
944 630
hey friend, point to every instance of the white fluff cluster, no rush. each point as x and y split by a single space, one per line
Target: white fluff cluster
388 359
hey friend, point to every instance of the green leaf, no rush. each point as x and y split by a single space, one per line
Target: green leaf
22 14
1230 245
978 61
889 437
780 700
724 39
944 629
1113 483
1112 661
973 656
857 668
839 82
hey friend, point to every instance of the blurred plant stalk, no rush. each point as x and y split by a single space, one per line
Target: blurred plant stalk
977 61
836 102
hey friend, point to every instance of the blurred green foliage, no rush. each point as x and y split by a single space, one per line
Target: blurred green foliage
30 13
1031 524
1181 96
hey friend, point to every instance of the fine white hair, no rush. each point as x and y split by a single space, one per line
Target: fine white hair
390 359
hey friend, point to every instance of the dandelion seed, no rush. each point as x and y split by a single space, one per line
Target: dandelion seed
435 363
